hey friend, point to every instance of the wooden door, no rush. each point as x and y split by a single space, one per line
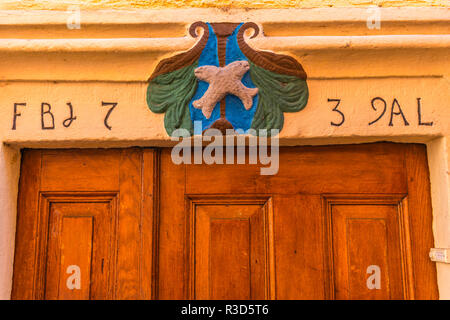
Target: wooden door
336 222
79 229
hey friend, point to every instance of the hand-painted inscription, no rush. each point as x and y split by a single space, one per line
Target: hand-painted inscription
380 106
48 121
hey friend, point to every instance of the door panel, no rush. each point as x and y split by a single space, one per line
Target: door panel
336 222
317 253
299 247
79 251
172 253
76 246
379 168
231 245
84 170
80 211
370 259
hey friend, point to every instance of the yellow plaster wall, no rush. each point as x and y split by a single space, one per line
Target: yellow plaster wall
156 4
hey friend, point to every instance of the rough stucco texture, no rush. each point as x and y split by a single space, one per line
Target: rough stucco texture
143 4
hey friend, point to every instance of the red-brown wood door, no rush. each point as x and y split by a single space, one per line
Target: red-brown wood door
79 229
336 222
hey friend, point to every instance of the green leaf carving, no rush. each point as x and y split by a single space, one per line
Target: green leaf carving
278 93
171 93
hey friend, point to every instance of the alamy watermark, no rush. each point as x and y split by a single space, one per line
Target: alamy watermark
74 19
74 279
213 147
373 20
374 280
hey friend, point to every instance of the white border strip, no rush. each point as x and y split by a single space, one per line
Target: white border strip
187 16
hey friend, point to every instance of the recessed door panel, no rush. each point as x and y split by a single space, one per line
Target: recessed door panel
231 249
79 250
369 255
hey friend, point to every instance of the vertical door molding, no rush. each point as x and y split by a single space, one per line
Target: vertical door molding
421 221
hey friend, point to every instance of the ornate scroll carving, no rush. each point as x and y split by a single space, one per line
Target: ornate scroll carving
186 58
278 63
